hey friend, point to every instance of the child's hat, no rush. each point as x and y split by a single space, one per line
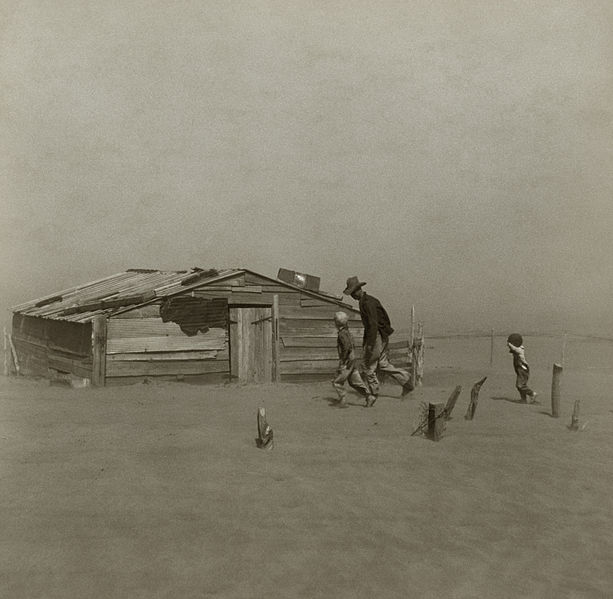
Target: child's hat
515 339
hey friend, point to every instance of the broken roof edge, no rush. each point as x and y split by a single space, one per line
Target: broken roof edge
111 311
235 272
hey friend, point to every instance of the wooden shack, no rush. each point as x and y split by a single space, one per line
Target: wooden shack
198 325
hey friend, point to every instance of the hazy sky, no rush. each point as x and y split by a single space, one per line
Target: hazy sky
456 155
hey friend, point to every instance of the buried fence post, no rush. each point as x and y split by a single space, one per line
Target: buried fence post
451 401
264 439
574 421
474 398
555 390
436 421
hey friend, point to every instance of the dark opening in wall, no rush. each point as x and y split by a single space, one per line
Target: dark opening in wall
195 314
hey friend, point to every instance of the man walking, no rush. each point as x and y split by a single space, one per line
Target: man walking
377 330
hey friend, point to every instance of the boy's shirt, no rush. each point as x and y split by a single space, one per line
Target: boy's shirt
519 359
344 345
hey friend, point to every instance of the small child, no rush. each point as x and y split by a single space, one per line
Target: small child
522 370
347 370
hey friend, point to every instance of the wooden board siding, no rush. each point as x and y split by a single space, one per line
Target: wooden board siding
172 367
139 348
44 346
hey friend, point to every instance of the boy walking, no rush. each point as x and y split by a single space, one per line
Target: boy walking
346 362
522 370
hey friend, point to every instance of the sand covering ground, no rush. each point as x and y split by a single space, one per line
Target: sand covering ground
159 491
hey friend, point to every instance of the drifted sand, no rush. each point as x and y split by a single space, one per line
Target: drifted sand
159 491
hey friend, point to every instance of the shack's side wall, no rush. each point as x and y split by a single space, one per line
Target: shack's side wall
47 347
141 346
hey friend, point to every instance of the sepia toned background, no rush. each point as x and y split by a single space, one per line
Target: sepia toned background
455 155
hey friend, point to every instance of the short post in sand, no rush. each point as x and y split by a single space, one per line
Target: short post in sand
555 390
452 401
264 439
436 421
432 421
574 420
474 398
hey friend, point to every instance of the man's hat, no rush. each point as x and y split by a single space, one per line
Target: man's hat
353 283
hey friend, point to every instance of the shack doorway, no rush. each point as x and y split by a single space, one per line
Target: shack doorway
251 343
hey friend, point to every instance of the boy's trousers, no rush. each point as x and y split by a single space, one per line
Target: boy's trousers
349 374
522 383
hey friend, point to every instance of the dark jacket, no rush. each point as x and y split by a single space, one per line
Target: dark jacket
374 319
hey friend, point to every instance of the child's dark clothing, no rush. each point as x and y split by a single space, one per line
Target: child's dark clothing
522 370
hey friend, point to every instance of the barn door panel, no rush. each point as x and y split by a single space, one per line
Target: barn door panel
251 344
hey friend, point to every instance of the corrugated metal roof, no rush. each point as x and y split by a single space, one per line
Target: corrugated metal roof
132 287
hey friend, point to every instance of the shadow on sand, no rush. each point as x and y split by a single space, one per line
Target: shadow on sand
509 399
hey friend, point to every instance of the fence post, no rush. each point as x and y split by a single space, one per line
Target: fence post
276 370
99 351
555 390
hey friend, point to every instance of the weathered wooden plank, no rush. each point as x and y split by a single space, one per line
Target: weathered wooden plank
292 354
173 367
306 367
150 311
24 346
399 344
99 338
253 279
45 345
310 302
238 297
142 327
77 367
317 313
315 328
209 340
207 354
247 289
315 341
235 282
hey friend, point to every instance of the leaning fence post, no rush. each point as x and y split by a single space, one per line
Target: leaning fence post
452 401
14 354
555 390
474 398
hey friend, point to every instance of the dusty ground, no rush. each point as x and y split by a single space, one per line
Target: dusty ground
159 491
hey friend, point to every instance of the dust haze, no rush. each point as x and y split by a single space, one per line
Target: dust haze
456 156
